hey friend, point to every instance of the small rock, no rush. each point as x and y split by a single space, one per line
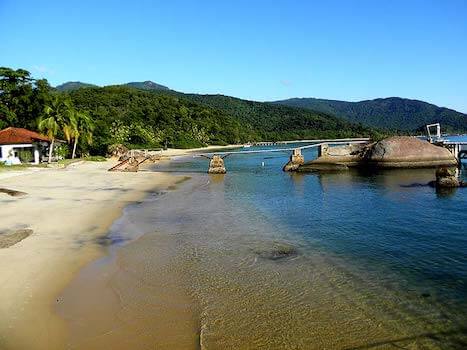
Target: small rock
278 251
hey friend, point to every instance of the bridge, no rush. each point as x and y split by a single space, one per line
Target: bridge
457 148
217 166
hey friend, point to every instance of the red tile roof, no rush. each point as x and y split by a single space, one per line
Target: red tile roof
11 136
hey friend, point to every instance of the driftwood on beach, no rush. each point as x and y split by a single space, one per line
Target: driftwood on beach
131 160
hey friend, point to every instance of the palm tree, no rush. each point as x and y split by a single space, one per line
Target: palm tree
82 125
56 116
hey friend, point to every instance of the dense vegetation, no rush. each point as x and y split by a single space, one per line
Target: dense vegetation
277 122
389 113
22 98
72 85
92 118
147 85
140 118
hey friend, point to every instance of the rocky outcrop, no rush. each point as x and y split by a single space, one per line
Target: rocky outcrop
448 178
408 152
12 193
393 152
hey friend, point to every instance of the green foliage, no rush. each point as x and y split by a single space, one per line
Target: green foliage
266 121
62 151
72 85
151 116
22 98
56 117
124 115
26 156
389 113
147 85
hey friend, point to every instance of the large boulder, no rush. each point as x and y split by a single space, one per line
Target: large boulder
447 178
408 152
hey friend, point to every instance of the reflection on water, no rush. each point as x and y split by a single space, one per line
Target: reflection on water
258 258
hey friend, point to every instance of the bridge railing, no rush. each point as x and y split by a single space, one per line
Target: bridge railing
317 143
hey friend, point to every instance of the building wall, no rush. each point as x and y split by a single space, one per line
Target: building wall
7 153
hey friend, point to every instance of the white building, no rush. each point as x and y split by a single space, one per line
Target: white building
19 146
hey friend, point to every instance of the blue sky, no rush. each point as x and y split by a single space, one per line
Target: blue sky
260 50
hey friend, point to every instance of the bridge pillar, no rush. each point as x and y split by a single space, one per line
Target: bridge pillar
323 150
296 159
216 165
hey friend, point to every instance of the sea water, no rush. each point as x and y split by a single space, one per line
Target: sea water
275 260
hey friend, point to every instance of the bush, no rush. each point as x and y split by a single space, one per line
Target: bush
26 156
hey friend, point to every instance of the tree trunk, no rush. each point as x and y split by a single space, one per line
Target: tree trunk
51 148
74 148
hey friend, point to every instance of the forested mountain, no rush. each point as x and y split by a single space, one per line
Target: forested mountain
389 113
138 117
142 118
147 85
143 85
277 122
148 118
73 85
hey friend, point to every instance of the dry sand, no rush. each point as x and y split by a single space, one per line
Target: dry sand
64 212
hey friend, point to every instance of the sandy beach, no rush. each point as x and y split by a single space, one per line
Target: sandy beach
50 228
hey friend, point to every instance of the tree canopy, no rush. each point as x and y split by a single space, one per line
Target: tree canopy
142 118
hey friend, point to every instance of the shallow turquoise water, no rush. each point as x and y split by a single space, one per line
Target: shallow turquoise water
263 259
409 237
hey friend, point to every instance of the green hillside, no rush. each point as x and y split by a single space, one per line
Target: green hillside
277 122
143 118
167 118
73 85
147 85
155 117
389 113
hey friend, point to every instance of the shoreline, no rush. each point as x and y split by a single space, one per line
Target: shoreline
107 291
69 211
176 285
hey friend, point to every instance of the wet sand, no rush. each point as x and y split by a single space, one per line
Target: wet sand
66 214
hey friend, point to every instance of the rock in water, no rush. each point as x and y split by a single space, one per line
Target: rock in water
408 152
216 165
447 178
277 251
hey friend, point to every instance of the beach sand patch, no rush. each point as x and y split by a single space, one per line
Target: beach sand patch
9 239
